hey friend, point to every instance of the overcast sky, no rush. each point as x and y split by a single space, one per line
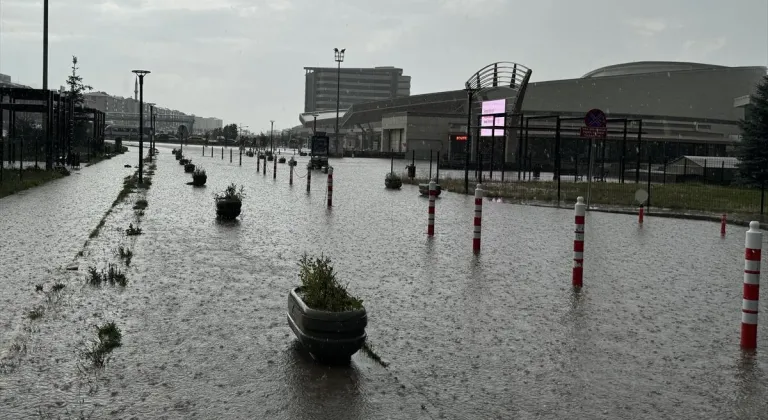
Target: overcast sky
242 60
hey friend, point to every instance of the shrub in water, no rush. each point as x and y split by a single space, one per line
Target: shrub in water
231 193
133 231
125 254
109 337
321 290
141 204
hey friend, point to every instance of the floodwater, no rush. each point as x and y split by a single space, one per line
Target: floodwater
653 334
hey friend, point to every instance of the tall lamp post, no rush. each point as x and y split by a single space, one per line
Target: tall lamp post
141 74
271 137
338 55
46 124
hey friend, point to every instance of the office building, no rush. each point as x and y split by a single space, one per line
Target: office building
356 85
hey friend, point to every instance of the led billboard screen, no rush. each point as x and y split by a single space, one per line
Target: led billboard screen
497 106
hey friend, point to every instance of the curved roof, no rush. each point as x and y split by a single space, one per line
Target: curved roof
641 67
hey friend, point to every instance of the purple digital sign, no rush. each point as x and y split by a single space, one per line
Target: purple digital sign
498 106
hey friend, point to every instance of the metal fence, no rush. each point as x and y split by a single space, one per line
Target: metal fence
682 177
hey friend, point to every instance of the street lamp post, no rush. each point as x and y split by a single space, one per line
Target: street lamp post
46 115
271 137
141 74
338 55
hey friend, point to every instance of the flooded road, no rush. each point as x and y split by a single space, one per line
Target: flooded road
654 333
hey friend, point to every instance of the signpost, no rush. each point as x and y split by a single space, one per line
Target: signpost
594 127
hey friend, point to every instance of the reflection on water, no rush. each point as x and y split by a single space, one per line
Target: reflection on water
499 335
320 392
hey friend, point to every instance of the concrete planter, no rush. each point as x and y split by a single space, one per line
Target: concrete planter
328 336
189 168
199 180
393 182
228 209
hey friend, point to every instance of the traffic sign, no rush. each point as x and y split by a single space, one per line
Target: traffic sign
641 196
595 118
594 132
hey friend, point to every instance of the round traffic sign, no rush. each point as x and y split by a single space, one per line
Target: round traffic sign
641 196
595 118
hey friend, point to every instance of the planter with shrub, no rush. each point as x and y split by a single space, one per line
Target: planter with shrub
392 181
229 203
199 177
327 320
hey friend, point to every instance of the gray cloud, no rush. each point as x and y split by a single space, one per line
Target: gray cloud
243 60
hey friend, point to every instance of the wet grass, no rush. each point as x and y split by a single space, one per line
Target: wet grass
30 178
112 276
35 314
133 231
125 254
108 338
129 186
675 196
95 232
140 204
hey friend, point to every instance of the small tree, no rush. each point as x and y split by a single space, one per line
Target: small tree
77 93
230 131
76 87
752 150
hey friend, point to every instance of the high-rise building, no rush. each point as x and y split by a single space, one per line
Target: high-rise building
356 85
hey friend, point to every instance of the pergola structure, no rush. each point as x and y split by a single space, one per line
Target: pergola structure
59 115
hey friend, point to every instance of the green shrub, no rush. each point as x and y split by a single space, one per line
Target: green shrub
231 193
321 290
109 337
133 231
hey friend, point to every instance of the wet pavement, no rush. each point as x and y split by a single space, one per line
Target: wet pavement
654 333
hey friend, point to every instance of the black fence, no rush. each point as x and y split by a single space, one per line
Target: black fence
678 176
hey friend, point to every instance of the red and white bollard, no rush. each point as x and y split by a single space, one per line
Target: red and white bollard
309 177
723 221
640 214
432 196
330 186
478 218
753 246
578 242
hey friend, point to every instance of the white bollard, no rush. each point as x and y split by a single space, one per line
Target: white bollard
431 209
753 245
578 243
477 229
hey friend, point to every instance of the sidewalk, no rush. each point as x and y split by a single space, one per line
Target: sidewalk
44 227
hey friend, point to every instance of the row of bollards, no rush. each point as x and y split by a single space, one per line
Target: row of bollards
476 222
